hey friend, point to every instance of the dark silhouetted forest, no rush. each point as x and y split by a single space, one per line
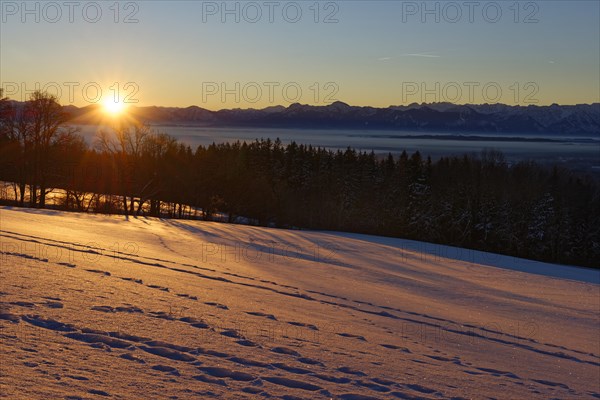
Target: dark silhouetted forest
479 202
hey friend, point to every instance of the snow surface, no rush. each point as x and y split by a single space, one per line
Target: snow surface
141 308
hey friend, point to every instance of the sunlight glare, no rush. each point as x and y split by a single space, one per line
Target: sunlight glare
113 107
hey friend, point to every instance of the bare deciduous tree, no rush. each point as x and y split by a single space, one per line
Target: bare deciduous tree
125 145
43 117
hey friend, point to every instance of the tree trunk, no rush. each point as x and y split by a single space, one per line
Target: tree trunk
140 205
67 199
42 196
32 195
22 189
155 208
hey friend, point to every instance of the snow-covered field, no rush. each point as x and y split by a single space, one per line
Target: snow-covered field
107 307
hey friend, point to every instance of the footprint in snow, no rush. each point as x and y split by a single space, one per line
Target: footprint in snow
166 368
261 314
291 383
302 324
351 371
99 392
221 306
373 386
97 271
285 350
168 353
349 335
219 372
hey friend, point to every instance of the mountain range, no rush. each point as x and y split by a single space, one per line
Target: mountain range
439 117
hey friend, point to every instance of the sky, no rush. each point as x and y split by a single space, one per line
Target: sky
240 54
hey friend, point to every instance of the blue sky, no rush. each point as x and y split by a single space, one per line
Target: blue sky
378 53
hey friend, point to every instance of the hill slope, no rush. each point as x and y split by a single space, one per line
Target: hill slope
96 306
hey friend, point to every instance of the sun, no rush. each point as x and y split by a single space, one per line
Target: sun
113 107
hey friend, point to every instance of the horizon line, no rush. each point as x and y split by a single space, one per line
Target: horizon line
135 105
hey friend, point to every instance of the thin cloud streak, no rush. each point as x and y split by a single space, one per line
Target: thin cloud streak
427 55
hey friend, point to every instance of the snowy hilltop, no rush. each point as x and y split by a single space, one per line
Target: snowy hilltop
128 307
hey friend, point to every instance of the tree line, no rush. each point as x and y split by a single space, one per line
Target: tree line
473 201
